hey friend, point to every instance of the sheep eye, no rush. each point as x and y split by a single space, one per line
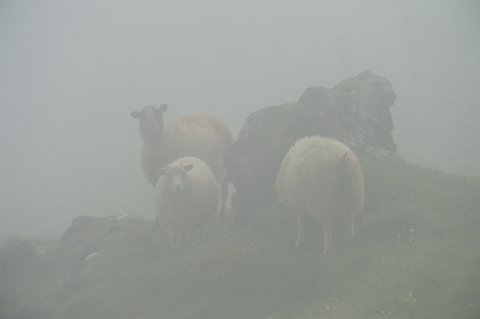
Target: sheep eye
188 167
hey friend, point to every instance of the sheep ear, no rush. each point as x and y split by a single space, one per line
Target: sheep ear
162 108
188 167
135 114
161 171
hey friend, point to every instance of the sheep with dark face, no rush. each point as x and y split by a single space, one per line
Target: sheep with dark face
202 136
321 177
187 196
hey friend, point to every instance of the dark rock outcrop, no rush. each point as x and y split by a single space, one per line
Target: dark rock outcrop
356 112
15 254
89 241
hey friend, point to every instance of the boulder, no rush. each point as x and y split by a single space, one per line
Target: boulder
15 254
356 111
90 243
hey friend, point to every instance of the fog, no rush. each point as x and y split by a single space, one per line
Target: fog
72 71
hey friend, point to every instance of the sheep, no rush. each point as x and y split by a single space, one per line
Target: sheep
320 177
187 195
202 136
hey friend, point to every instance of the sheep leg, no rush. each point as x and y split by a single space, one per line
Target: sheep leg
300 231
190 236
352 223
224 195
182 237
156 225
171 237
326 222
176 239
330 232
202 234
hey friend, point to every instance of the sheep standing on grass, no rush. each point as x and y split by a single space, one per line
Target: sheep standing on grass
320 177
202 136
187 196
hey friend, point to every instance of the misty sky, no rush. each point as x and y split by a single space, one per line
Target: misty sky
72 71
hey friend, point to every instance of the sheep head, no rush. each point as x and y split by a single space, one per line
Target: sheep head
150 119
176 179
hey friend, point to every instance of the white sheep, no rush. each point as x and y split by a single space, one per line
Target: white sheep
187 196
320 177
202 136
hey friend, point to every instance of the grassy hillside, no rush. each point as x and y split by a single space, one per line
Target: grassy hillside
416 255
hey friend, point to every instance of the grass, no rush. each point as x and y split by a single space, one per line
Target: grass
416 255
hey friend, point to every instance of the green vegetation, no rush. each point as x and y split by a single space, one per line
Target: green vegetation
416 255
